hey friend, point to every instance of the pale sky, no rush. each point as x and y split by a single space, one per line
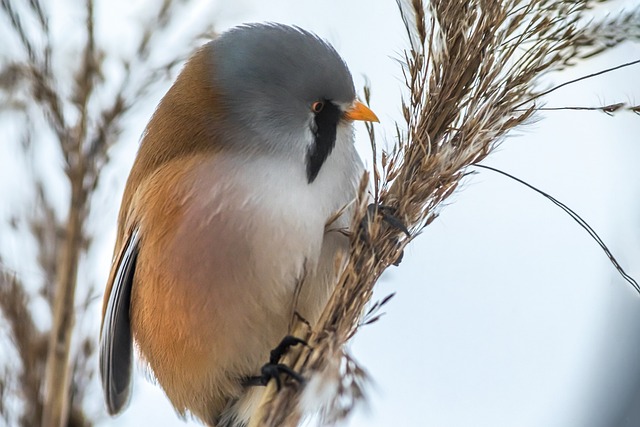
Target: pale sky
506 313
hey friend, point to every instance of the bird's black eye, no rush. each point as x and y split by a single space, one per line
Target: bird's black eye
317 106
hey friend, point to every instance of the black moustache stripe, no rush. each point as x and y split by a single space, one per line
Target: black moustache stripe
325 139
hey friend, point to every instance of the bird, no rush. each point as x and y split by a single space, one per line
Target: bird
232 218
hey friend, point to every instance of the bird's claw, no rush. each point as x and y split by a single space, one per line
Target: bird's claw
388 214
273 369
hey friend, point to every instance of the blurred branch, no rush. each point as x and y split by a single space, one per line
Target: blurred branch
57 376
85 117
30 343
473 73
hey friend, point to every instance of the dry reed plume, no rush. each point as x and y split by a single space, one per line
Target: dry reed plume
69 98
473 74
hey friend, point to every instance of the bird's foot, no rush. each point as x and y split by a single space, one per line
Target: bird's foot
388 214
273 369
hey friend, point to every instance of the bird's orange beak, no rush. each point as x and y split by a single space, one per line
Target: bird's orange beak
359 111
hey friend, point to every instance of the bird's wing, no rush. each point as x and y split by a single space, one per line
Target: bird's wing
115 338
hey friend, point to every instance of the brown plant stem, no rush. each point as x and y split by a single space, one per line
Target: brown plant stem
56 401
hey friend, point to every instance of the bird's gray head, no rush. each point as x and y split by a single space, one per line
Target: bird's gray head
285 87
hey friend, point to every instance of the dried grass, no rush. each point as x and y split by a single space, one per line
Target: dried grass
69 106
473 74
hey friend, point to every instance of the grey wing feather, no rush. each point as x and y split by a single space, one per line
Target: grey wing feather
115 340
